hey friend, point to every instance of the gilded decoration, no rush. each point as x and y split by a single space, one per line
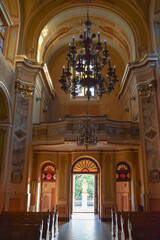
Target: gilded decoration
146 89
24 90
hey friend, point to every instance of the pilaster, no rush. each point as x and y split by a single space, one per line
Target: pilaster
140 82
16 195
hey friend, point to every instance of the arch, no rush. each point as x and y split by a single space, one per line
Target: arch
12 34
7 100
48 172
122 172
124 44
155 25
85 165
124 186
46 187
45 13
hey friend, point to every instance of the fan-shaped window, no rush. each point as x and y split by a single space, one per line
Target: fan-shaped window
85 165
49 172
122 172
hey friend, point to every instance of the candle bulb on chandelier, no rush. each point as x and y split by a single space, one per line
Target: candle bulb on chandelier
84 33
68 64
98 37
69 47
63 70
109 62
73 41
105 45
114 71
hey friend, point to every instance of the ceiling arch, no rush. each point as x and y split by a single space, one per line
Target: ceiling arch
62 27
126 15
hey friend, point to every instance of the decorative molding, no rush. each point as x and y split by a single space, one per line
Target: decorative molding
151 134
25 90
135 118
138 71
146 89
126 108
20 134
5 13
133 98
61 131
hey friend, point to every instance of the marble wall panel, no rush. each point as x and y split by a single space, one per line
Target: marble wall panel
20 135
151 133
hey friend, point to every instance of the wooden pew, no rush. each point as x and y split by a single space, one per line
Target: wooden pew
31 217
18 231
138 225
56 222
27 219
50 221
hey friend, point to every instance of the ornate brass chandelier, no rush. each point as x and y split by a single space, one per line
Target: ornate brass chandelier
87 135
85 65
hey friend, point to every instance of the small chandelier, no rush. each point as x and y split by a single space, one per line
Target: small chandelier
84 68
87 135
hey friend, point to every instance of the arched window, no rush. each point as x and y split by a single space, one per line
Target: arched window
85 165
49 172
5 21
122 172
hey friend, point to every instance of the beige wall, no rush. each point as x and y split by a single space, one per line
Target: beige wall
106 185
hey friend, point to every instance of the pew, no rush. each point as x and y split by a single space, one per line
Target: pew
21 231
27 219
56 223
43 224
136 225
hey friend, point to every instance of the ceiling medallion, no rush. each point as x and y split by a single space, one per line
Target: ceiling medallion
85 65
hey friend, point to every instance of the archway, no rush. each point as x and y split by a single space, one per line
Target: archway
123 186
85 194
48 187
5 130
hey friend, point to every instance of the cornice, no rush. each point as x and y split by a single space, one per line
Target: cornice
135 68
27 71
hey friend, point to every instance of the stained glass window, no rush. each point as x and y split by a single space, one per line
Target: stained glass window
122 172
85 165
49 172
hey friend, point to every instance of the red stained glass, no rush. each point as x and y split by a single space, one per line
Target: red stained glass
85 170
49 176
122 172
122 169
122 175
49 172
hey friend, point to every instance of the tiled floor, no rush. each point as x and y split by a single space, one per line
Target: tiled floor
84 227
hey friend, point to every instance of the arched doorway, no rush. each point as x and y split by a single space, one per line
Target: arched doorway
85 186
123 186
5 134
48 187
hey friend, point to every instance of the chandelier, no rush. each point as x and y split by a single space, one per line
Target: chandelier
87 135
85 65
